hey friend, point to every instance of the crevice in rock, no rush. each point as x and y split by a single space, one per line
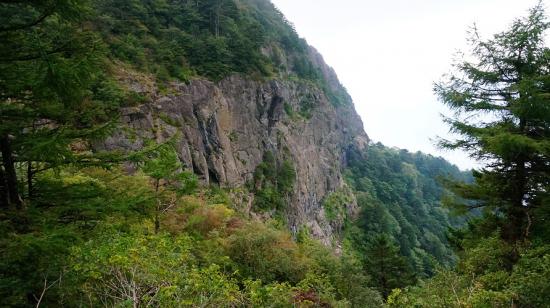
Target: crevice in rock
213 134
196 169
274 111
213 175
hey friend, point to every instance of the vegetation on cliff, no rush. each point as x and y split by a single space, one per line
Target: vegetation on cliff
179 40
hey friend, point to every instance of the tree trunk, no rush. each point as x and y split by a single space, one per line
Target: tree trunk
3 189
10 173
30 174
217 19
383 279
157 222
517 218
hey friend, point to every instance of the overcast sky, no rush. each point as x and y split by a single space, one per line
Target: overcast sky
388 53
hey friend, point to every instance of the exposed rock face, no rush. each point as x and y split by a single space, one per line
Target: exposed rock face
225 128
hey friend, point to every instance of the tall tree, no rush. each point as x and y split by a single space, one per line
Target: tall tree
386 266
53 94
501 101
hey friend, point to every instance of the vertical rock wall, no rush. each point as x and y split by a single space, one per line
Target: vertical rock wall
223 130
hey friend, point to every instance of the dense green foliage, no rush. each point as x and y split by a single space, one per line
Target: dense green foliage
335 204
93 240
55 95
485 277
273 182
400 196
179 39
210 38
387 267
508 83
503 116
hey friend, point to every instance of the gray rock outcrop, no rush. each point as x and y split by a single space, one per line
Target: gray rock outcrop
225 128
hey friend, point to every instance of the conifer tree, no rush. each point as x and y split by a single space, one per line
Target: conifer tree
54 96
386 266
501 101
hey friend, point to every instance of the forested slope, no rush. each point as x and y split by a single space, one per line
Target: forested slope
401 213
400 194
210 38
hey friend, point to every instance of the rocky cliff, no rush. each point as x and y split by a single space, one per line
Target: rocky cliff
225 128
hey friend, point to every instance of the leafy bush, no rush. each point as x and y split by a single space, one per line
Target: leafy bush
336 204
154 270
90 241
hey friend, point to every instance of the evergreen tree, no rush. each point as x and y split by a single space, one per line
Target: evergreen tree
502 113
386 266
54 97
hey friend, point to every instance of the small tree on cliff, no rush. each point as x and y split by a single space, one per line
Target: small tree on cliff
501 101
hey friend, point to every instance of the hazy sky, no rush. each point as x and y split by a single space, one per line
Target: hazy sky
388 53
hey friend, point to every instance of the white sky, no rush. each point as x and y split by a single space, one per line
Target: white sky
388 53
